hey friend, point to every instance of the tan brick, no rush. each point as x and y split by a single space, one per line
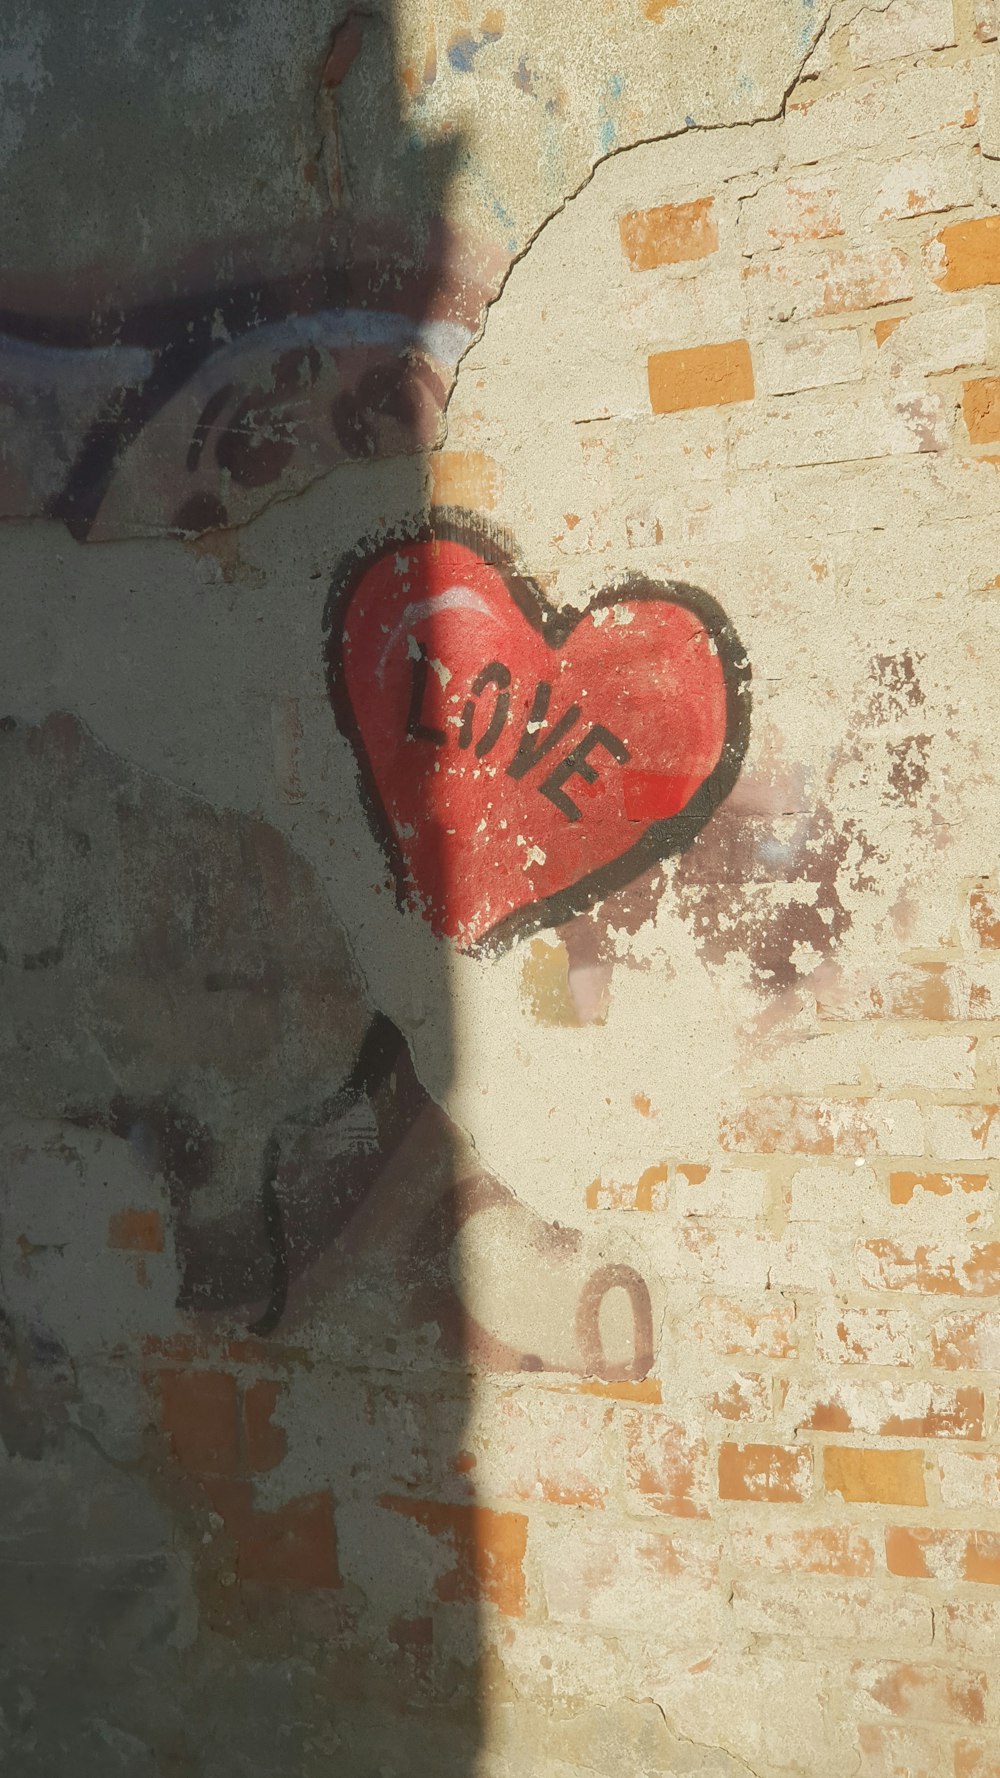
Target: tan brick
487 1549
809 359
971 1626
985 13
745 1397
974 1760
966 254
984 917
886 1478
700 376
765 1472
543 1446
905 28
790 1125
920 185
467 479
843 427
669 235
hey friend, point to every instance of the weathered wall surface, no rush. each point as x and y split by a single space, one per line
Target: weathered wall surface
500 1027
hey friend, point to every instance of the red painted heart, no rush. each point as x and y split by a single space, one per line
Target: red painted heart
521 762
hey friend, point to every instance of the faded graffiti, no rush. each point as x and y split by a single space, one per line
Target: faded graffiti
519 763
159 956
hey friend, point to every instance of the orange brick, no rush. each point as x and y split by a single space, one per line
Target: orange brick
488 1549
981 408
136 1231
884 328
654 10
468 479
984 912
976 1762
293 1546
942 1185
199 1410
868 1406
969 254
700 376
886 1478
935 1270
266 1443
764 1472
827 1549
668 235
665 1467
919 1553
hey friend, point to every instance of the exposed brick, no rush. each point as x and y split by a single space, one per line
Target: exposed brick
136 1231
669 235
755 1329
765 1472
966 254
467 479
887 1478
934 1693
906 28
886 1409
918 1552
976 1762
265 1443
832 1549
970 1271
981 410
488 1550
903 1185
200 1412
984 916
293 1546
865 1336
665 1466
700 376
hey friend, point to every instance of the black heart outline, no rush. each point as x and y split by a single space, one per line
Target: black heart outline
661 839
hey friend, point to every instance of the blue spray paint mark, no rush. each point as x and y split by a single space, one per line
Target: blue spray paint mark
806 32
614 88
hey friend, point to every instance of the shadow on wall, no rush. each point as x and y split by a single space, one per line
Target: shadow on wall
241 1533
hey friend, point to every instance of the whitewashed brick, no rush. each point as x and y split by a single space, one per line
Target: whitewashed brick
615 1577
969 1480
871 1335
831 430
808 359
986 20
954 337
920 185
850 1613
804 209
906 28
918 102
933 1063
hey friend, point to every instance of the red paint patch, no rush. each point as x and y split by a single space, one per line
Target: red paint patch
508 750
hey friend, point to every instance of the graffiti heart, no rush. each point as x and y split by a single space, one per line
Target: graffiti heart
520 762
